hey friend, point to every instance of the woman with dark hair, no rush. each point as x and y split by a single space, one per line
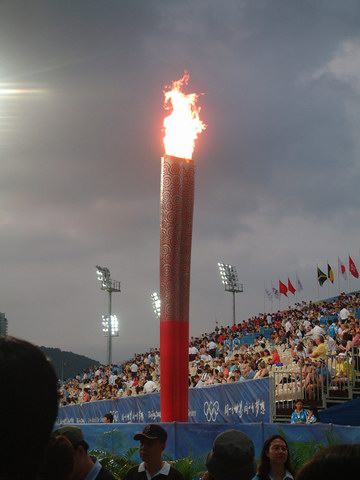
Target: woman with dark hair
274 461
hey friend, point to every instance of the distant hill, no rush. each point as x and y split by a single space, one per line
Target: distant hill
68 364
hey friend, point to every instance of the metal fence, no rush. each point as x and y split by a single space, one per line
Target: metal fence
333 379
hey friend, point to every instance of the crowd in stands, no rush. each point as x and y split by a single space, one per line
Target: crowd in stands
305 335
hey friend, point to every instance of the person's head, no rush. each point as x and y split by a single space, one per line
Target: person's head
108 418
81 458
332 463
28 422
59 459
232 457
275 452
152 442
298 405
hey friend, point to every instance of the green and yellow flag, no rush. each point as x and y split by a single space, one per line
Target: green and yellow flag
321 276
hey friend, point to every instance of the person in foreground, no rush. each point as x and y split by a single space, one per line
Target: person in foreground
231 458
332 463
85 467
152 444
274 461
26 423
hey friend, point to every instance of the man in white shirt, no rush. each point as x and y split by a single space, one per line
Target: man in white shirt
344 314
149 386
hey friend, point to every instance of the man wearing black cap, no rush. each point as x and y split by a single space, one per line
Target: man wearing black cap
232 457
152 444
85 467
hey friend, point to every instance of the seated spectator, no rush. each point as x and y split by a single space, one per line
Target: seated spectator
262 371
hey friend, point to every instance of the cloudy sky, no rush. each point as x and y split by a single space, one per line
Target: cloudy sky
277 170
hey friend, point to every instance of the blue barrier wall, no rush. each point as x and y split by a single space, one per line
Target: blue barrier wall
195 440
240 402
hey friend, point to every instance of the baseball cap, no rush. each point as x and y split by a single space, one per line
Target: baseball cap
232 456
152 432
74 434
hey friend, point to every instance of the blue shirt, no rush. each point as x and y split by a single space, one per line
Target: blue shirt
298 417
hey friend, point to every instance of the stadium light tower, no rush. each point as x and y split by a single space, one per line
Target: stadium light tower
156 303
109 321
230 279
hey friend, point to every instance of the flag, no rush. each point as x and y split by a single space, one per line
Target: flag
330 274
290 287
342 269
299 286
352 268
275 292
268 294
283 288
321 276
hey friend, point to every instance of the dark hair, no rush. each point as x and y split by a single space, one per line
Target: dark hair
264 467
109 416
27 424
332 463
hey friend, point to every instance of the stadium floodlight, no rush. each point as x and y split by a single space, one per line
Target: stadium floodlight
111 321
156 303
114 325
230 280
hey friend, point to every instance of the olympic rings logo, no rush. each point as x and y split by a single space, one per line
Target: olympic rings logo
211 410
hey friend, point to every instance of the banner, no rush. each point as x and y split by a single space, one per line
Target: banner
195 440
238 402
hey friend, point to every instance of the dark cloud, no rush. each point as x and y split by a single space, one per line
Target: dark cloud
277 168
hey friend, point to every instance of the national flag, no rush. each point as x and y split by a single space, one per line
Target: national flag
299 286
330 274
290 287
352 268
321 276
275 292
342 269
268 294
283 288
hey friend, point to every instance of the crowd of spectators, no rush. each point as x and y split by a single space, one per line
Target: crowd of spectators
305 334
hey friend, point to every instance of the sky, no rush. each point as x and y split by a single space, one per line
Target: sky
81 112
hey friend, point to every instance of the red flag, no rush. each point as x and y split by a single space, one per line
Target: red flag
352 268
283 288
290 287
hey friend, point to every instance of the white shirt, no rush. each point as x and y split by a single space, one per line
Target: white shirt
165 469
150 386
134 368
316 331
344 314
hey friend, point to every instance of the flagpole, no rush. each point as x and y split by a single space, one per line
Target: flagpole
264 298
349 275
338 275
328 286
318 283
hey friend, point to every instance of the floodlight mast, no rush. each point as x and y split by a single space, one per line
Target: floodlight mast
230 280
110 286
156 304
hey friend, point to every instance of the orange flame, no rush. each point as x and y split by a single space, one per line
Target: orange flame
183 125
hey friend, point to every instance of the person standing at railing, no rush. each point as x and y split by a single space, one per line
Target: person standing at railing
299 415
